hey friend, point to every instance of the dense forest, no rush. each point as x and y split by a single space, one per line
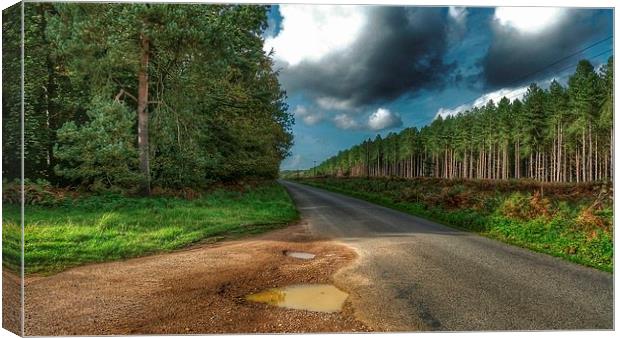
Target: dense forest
558 134
135 96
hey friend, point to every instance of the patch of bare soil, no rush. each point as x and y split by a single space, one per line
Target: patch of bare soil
197 290
11 301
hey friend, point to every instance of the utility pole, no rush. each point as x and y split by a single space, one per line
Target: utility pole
314 168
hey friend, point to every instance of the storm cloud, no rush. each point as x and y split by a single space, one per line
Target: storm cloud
520 48
398 50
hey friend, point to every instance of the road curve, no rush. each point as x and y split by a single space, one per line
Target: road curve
414 274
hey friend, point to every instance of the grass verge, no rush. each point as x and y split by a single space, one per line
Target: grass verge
111 227
557 229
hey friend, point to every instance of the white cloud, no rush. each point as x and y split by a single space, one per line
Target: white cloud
383 119
331 103
300 111
313 119
510 93
344 121
309 32
529 19
308 116
458 14
445 112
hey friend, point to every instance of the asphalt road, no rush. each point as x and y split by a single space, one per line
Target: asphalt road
413 274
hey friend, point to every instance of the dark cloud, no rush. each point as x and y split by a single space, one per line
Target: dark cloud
399 51
512 55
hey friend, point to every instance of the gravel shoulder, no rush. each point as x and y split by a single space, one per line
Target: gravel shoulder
11 298
196 290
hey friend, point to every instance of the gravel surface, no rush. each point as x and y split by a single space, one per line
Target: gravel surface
11 301
197 290
413 274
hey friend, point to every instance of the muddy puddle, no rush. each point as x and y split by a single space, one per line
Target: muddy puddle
300 254
311 297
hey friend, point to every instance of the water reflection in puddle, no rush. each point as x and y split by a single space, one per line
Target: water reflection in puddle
299 254
311 297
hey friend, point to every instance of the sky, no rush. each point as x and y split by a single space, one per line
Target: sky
352 72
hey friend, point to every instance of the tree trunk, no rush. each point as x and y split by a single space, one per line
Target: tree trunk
517 161
583 155
506 162
531 171
143 115
465 164
578 167
562 163
611 154
554 156
590 177
596 174
545 165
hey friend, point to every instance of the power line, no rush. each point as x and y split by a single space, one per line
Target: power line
565 68
562 59
508 96
592 57
546 67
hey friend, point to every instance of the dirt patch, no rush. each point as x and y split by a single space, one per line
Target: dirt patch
11 301
197 290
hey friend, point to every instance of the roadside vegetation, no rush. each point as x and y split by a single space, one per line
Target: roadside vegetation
62 231
573 221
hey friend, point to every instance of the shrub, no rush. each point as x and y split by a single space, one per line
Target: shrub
39 192
455 197
11 192
588 220
184 193
525 207
516 206
540 205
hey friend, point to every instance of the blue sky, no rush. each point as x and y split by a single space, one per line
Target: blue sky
352 72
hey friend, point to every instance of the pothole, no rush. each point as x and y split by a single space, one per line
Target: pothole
311 297
299 254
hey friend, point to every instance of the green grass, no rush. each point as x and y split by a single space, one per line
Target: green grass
559 235
104 228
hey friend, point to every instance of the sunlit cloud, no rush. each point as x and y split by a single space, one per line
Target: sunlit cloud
458 14
308 116
529 19
344 121
381 119
309 32
384 119
510 93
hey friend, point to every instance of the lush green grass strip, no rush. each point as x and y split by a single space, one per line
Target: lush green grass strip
103 228
559 234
